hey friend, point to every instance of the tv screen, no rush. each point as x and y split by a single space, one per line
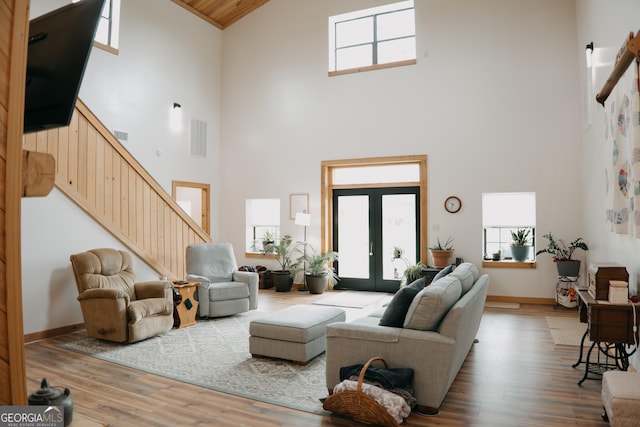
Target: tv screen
59 46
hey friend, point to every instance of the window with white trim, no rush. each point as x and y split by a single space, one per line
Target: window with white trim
262 219
503 213
372 38
108 30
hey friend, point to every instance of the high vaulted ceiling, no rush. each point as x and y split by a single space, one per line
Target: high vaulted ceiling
221 13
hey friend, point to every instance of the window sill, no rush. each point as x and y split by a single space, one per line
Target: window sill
107 48
508 264
259 255
372 67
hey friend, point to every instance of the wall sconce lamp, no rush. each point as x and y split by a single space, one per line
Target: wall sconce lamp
176 105
589 53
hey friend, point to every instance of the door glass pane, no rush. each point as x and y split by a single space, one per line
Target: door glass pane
398 230
353 239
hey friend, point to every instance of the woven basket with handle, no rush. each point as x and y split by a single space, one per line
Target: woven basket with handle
357 405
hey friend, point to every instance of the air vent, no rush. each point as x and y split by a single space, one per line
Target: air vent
198 138
121 135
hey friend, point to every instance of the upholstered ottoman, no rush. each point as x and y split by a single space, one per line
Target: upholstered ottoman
296 333
621 398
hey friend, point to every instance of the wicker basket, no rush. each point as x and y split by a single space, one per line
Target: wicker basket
359 406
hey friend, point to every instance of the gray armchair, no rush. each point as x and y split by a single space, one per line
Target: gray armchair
114 306
223 290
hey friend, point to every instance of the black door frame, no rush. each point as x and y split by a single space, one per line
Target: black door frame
375 281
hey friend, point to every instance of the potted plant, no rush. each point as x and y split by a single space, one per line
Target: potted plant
520 244
284 252
267 238
412 271
441 252
319 275
562 254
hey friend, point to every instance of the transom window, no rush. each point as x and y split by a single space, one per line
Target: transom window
373 38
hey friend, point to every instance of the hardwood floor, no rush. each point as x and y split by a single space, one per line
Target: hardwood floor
514 376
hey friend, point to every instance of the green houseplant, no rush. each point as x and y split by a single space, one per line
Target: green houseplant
562 254
441 252
319 274
520 244
412 271
284 251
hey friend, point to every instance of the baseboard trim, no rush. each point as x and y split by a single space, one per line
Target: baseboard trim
522 300
50 333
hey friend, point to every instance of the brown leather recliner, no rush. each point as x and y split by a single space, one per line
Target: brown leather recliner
114 306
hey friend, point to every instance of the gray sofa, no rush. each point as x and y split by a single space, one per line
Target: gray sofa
438 331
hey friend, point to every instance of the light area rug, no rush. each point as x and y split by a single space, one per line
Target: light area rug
351 299
215 354
566 330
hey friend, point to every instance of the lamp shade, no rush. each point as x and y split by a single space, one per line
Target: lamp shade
303 219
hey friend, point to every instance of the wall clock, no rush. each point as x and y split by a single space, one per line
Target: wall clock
452 204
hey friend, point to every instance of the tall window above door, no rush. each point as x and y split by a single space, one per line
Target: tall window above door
369 39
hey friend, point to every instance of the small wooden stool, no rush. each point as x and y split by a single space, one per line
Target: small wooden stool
621 398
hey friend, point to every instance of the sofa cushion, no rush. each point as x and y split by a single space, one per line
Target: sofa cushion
469 267
448 269
228 290
397 309
142 308
432 303
465 277
468 274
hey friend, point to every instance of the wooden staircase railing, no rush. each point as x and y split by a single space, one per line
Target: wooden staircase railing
95 171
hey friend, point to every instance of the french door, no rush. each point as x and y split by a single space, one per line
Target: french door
368 223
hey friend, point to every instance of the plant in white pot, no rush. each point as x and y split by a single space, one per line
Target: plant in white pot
319 275
520 244
562 254
441 252
284 251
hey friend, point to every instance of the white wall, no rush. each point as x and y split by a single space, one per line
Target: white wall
494 101
166 54
606 24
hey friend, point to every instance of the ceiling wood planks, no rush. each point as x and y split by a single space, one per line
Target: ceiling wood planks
221 13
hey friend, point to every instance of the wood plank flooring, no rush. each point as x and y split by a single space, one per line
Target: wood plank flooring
514 376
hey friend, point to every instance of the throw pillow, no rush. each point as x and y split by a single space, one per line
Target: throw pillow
448 269
418 283
432 303
397 309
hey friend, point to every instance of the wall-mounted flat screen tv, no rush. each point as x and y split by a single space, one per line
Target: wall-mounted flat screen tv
59 46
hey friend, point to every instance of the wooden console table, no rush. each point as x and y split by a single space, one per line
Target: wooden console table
613 328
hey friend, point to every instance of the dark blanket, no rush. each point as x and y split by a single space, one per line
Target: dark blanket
387 378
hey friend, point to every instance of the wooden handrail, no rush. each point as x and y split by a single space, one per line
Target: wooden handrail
630 49
96 172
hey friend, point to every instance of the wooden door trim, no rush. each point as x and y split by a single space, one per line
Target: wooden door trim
206 199
326 189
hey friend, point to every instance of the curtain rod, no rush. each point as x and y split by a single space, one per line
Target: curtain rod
629 50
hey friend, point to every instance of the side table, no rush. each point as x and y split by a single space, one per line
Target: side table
187 307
